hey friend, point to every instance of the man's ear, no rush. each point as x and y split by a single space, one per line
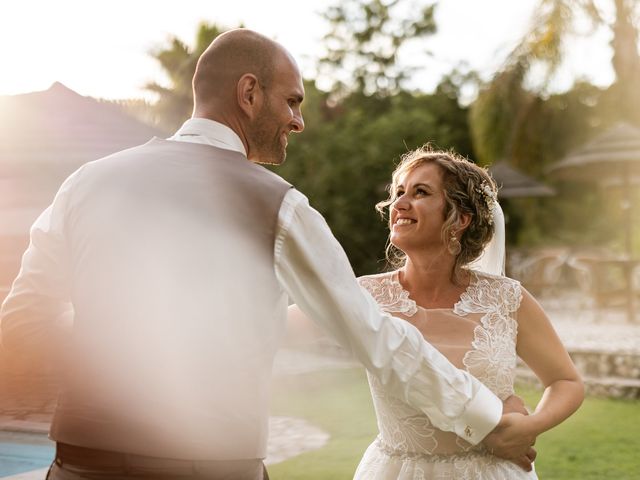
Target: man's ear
249 94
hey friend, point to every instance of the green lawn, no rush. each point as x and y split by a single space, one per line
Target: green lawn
601 441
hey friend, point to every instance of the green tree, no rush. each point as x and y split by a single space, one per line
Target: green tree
517 119
344 159
364 42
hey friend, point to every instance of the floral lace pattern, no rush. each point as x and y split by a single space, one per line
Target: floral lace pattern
409 446
389 294
492 359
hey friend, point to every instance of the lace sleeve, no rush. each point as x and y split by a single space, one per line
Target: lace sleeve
490 293
513 294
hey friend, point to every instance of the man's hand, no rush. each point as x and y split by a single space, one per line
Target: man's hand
512 440
514 404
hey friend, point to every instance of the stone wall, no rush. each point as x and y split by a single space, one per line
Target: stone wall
605 374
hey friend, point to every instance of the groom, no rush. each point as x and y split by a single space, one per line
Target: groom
159 279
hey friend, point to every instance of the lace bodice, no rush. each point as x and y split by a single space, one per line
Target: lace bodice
477 334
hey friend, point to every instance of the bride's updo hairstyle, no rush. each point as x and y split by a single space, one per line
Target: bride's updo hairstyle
467 187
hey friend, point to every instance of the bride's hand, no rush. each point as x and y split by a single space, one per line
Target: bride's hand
512 440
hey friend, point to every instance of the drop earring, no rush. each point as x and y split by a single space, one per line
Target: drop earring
454 246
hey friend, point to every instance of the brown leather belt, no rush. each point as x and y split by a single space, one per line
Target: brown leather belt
129 464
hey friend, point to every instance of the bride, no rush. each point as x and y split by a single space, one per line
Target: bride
446 243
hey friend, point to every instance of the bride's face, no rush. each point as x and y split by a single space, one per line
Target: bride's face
418 212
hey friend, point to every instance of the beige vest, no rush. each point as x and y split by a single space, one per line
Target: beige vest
178 311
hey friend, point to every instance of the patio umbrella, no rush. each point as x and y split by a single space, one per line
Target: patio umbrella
611 158
512 183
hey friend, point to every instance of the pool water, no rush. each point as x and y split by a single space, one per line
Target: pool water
24 452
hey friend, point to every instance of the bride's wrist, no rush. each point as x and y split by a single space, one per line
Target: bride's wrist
535 424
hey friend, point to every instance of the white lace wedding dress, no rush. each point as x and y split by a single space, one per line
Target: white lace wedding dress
479 335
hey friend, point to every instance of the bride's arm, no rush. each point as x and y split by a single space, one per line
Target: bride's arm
541 349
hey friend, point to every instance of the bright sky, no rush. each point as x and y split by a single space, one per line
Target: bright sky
100 48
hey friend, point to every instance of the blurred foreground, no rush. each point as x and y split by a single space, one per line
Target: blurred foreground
324 418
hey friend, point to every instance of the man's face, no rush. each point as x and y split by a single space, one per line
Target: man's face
279 116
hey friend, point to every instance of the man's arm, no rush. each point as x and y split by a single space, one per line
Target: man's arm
314 270
37 308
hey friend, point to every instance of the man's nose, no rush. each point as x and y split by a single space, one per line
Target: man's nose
298 123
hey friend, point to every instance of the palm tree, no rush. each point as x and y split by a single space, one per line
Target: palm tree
626 59
505 106
178 60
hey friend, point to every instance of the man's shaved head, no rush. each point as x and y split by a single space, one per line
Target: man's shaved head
231 55
252 85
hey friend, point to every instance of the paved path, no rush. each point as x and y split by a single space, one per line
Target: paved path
583 329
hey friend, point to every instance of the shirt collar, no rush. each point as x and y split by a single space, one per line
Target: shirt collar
209 132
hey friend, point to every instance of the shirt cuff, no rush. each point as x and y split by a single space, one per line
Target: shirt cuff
480 416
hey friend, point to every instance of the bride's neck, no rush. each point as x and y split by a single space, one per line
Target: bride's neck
431 279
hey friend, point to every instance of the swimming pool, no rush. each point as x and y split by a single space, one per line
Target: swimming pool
24 452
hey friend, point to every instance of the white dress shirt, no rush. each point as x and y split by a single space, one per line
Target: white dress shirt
312 269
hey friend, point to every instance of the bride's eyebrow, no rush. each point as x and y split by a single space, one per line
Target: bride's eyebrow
424 185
